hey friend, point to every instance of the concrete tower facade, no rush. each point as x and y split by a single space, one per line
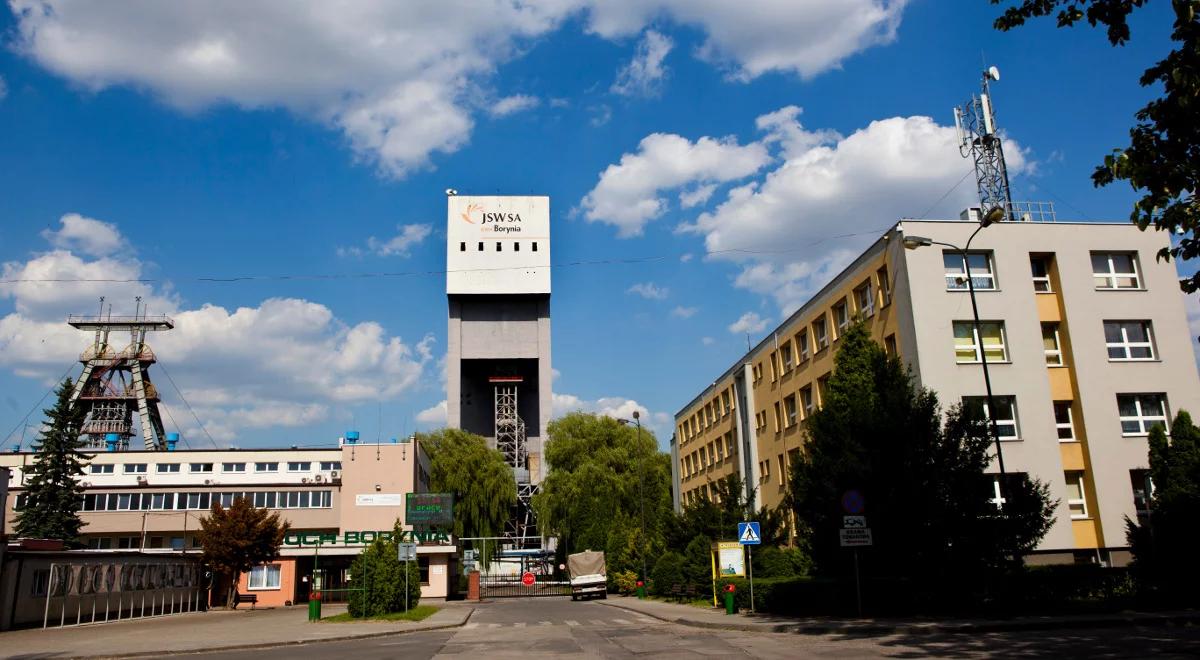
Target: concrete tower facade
498 348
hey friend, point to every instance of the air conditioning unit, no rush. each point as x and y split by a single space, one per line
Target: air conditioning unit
304 480
334 474
141 480
318 479
208 482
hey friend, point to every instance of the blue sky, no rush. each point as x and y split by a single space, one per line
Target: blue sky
705 165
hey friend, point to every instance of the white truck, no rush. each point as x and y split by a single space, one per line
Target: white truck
588 574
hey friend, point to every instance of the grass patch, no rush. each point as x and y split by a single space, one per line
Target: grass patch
418 613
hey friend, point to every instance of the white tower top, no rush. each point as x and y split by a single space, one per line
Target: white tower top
497 245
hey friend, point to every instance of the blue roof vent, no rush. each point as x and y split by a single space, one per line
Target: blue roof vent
172 440
352 437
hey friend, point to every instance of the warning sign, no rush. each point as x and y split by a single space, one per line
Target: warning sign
852 538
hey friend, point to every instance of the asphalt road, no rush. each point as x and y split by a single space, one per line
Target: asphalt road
556 628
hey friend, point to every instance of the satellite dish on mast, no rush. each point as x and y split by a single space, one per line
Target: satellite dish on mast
993 73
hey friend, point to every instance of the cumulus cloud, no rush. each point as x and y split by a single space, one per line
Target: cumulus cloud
407 236
512 104
284 362
397 79
649 291
707 341
749 322
87 235
681 312
433 416
629 193
645 72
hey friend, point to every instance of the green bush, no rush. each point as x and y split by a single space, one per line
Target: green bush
622 582
667 573
378 579
770 562
697 564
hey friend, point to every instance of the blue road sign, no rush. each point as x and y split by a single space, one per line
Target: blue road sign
748 533
853 502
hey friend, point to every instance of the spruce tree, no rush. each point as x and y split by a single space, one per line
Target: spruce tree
53 491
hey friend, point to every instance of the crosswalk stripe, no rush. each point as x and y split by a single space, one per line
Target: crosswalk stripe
519 625
571 623
622 622
545 623
469 626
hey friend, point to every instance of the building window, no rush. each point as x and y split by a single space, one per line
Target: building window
789 409
725 401
498 244
729 444
1062 420
1039 266
778 419
1129 340
480 246
1051 345
200 467
166 467
802 343
821 334
264 577
101 468
889 345
1115 270
967 342
535 246
233 467
806 401
1143 492
516 246
785 355
980 264
135 468
299 466
1076 501
864 299
1140 412
462 247
781 470
841 316
1006 414
823 389
885 286
331 465
266 467
774 366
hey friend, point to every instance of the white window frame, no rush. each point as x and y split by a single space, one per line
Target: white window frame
792 415
806 401
167 468
864 297
135 468
786 356
1126 346
1069 425
1001 423
975 347
1111 276
1054 356
956 279
841 316
326 466
1043 280
266 466
802 342
1081 501
1144 421
301 466
201 468
821 337
267 576
101 468
885 287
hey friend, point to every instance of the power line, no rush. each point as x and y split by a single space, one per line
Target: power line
185 402
39 402
946 194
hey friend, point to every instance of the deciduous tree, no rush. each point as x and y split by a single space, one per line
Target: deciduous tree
378 577
482 482
53 492
237 538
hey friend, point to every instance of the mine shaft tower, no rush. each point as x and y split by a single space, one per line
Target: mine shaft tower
498 348
115 383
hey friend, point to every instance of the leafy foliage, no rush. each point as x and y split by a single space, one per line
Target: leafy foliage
482 482
718 516
667 573
378 576
240 537
697 564
604 478
1162 160
1164 549
53 494
927 497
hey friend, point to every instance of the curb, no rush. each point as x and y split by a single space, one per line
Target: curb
271 645
880 629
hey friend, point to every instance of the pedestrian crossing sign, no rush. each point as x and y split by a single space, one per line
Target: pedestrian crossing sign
748 533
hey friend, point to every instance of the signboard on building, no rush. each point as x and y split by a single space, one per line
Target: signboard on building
731 559
497 244
351 538
429 509
379 499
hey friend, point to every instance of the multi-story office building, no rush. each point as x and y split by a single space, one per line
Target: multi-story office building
337 500
1086 340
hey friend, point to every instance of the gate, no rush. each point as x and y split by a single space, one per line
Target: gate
505 568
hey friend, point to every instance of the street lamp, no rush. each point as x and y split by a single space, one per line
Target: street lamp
914 242
637 418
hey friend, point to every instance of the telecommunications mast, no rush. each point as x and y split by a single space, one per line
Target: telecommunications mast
978 140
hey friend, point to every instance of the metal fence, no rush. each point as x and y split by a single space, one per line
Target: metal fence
504 565
82 593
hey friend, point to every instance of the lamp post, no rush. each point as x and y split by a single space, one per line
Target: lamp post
637 418
914 242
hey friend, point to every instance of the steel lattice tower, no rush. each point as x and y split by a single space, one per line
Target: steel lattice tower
978 140
116 384
510 441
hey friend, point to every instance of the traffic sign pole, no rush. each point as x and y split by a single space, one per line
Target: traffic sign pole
750 571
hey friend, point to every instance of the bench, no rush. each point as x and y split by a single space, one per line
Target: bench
238 599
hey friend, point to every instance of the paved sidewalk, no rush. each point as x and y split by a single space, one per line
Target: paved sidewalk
717 619
211 631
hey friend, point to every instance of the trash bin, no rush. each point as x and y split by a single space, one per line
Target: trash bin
730 599
314 606
641 589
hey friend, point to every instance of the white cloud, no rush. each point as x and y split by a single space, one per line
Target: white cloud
686 257
649 291
682 312
512 104
601 115
749 322
707 341
645 72
433 416
753 37
285 362
696 196
399 244
3 88
89 236
627 195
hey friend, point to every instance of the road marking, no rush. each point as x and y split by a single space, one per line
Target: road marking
545 623
598 622
646 619
469 626
519 625
493 625
571 623
623 622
